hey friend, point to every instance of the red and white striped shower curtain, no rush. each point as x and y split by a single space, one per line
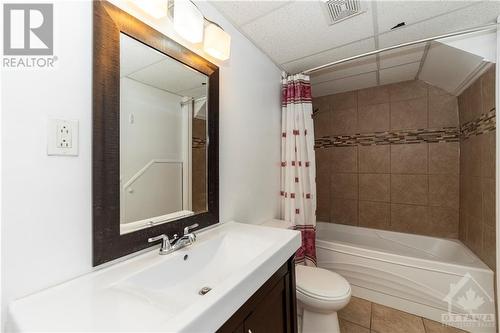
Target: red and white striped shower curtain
298 167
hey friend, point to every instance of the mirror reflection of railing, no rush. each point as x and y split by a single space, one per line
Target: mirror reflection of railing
145 169
154 195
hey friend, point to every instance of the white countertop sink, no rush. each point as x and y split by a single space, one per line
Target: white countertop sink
161 293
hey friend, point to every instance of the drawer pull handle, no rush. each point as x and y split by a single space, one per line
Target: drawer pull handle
249 331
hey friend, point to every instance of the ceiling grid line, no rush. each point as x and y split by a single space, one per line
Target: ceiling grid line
422 60
145 67
153 86
327 50
367 72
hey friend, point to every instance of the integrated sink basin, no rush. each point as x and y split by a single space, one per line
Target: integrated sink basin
180 277
210 262
196 288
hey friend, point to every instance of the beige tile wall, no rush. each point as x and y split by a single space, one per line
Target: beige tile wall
411 187
199 169
477 172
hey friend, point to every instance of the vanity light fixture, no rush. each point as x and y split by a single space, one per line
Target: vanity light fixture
154 8
191 25
217 42
188 21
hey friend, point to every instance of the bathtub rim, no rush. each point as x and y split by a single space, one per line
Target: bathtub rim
404 260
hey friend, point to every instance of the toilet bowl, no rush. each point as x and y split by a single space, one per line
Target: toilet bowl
320 294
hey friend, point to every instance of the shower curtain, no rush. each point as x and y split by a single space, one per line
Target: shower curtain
298 167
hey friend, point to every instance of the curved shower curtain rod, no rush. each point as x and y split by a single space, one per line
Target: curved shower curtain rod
488 27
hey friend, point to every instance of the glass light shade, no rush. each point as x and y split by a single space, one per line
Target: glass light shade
217 42
154 8
188 21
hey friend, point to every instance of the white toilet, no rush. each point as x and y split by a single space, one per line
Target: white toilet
320 294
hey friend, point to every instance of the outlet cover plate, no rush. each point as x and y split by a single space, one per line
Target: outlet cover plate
54 148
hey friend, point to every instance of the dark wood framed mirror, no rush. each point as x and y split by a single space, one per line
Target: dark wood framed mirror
147 179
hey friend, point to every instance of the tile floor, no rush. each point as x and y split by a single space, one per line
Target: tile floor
362 316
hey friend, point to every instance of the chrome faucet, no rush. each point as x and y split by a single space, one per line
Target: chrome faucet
166 244
188 238
174 244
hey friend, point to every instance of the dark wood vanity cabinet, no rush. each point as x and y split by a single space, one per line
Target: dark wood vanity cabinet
272 309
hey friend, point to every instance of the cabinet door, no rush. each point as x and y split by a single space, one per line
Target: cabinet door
240 329
270 315
271 309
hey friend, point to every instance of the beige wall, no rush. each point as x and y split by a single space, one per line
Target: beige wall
412 186
477 167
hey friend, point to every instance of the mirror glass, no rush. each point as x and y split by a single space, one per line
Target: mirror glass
163 138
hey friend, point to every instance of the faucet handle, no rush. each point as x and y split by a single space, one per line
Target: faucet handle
191 227
166 244
157 238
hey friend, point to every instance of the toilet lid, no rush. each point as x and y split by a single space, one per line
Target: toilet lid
321 283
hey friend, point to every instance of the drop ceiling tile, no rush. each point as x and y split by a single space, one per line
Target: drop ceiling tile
352 68
170 75
401 56
399 73
241 12
449 74
134 55
347 84
331 55
196 92
301 29
472 16
483 44
390 13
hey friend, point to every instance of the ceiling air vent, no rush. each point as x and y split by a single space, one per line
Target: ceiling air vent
339 10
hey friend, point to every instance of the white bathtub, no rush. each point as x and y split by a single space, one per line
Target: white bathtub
407 272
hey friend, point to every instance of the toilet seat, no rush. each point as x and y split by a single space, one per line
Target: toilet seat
321 284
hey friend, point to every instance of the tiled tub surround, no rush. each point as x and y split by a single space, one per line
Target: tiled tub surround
388 158
477 167
450 134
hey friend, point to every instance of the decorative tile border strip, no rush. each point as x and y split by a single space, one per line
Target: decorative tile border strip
446 134
484 124
198 143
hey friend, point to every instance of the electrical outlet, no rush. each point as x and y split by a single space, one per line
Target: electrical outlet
62 137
